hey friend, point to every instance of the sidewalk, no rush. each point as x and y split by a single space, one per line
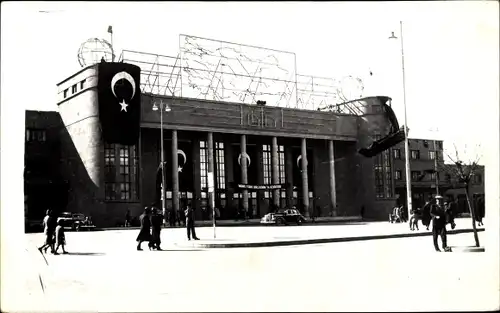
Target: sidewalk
301 235
251 222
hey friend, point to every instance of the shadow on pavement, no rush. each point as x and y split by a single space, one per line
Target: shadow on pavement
178 250
84 253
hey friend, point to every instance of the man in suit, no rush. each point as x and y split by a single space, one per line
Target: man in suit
438 215
189 213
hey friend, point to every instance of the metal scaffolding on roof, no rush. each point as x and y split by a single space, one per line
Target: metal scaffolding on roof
231 72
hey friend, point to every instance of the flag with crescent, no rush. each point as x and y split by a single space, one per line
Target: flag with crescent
119 98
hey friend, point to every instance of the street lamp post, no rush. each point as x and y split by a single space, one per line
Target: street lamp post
162 107
407 148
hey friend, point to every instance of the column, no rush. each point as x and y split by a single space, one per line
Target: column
210 152
333 192
228 159
175 173
261 203
289 176
275 170
197 178
305 185
244 174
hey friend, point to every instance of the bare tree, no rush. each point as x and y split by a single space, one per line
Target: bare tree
462 172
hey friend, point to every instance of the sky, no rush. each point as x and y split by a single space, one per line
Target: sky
451 49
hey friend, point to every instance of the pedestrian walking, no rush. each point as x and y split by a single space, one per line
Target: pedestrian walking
189 213
156 223
145 230
479 211
60 237
439 224
127 218
49 227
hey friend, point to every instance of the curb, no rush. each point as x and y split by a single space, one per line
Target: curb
468 249
318 241
241 224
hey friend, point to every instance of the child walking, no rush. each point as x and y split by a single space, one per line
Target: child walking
60 237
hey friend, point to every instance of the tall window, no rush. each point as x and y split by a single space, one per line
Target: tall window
379 177
203 166
268 164
397 154
433 176
266 161
388 173
432 155
221 173
383 173
398 175
415 154
121 172
110 172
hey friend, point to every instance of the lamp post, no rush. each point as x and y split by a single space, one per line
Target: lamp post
162 107
407 149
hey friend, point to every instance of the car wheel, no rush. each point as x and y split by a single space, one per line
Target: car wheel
279 221
299 221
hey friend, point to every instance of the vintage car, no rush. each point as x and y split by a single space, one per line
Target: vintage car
283 217
75 221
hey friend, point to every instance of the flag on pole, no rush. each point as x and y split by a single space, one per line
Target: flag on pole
110 29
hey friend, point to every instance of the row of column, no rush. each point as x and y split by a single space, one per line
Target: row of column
244 171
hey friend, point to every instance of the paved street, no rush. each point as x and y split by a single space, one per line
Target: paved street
105 273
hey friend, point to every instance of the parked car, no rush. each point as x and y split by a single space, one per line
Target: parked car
75 221
283 217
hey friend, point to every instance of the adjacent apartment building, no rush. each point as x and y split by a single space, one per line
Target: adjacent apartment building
430 175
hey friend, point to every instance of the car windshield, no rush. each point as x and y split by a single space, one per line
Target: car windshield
65 214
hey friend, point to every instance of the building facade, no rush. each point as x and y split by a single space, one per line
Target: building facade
311 156
44 186
430 175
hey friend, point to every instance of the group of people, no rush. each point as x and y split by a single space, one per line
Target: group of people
53 230
151 223
440 213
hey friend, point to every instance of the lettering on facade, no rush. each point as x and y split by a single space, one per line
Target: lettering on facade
261 118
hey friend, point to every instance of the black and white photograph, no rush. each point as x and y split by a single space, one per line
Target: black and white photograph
250 156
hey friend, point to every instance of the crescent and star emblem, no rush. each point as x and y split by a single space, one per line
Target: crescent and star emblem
184 156
298 160
130 79
246 156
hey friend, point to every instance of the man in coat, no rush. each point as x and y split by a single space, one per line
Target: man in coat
156 223
426 214
438 215
189 213
145 230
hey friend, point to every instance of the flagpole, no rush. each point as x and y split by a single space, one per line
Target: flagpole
110 31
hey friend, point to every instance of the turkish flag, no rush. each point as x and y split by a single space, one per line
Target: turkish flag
119 97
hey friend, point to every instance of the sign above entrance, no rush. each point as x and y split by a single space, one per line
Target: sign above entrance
261 187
